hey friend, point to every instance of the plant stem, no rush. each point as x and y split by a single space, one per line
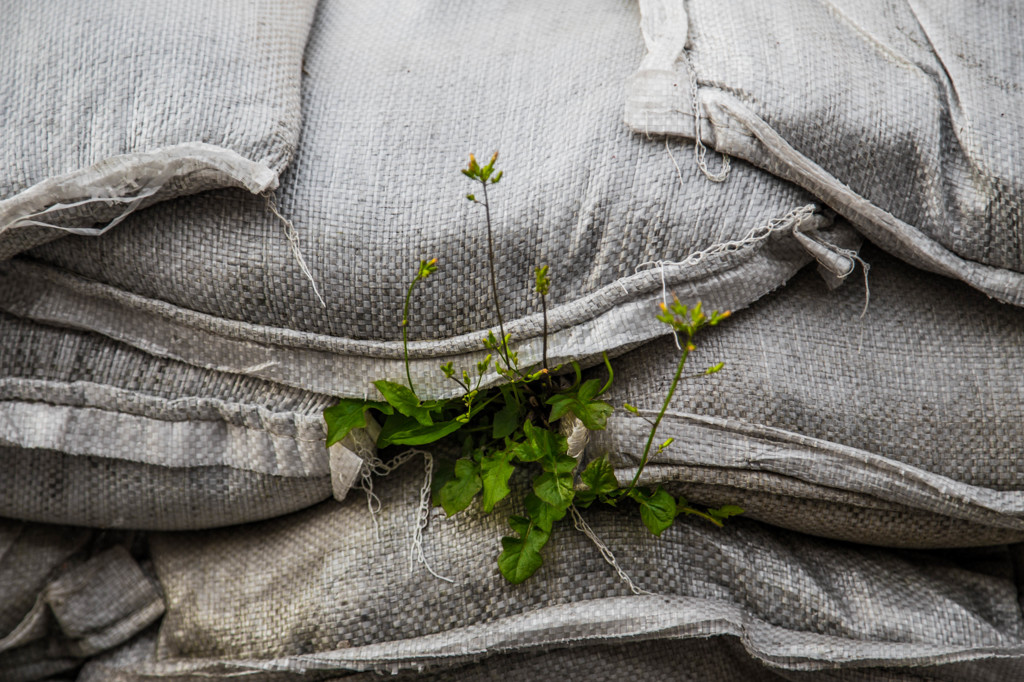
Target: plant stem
661 413
405 333
494 277
544 309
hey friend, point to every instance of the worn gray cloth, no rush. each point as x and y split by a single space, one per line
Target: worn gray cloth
395 99
94 432
109 107
907 117
337 598
902 427
65 596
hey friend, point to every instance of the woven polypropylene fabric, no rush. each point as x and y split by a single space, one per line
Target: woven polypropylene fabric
67 596
29 553
715 659
337 597
109 107
395 99
98 433
901 427
905 116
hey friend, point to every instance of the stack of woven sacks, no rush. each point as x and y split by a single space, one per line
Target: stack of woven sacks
209 213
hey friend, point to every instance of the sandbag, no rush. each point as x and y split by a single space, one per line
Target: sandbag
901 427
395 100
109 108
319 592
67 594
96 433
904 116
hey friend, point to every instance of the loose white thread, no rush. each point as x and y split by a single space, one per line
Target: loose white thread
293 241
679 171
699 150
423 518
606 553
866 268
755 235
374 466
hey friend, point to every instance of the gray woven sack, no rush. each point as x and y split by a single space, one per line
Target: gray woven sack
100 434
902 427
906 117
319 593
395 99
109 107
67 594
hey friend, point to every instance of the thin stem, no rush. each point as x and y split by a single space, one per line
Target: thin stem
661 413
494 277
544 309
611 374
405 333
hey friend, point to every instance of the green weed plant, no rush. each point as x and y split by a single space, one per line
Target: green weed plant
514 427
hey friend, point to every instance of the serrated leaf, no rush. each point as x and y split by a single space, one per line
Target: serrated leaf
495 470
657 511
349 414
404 400
458 493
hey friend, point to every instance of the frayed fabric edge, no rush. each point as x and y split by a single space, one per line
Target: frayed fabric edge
92 200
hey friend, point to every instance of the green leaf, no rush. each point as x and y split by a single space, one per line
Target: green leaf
404 400
594 415
458 493
714 368
724 512
657 511
542 513
349 414
399 429
506 421
540 443
560 403
520 557
555 489
445 472
599 476
495 470
519 524
589 390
